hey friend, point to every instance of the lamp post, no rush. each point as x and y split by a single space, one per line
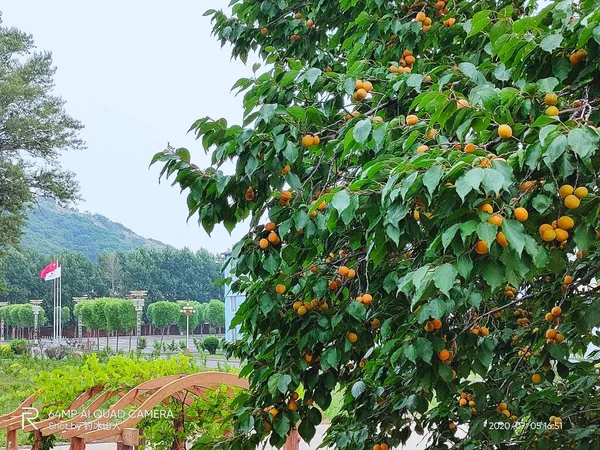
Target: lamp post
137 297
187 310
79 323
2 322
36 308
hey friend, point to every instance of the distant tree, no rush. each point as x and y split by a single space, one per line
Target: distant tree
128 318
66 315
215 314
34 130
163 314
172 274
110 266
98 318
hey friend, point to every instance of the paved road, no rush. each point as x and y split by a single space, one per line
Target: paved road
415 443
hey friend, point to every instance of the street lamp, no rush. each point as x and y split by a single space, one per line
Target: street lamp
36 308
2 322
137 297
187 310
79 323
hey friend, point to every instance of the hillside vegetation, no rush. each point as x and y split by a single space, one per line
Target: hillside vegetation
51 228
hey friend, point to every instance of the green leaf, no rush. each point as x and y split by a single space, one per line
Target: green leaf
297 112
307 430
423 349
493 180
357 310
290 152
283 383
556 148
282 425
551 42
341 200
515 234
349 85
362 130
444 278
312 74
469 181
445 373
541 203
415 80
449 234
267 112
358 388
493 274
470 70
487 232
432 178
273 383
583 141
479 21
546 85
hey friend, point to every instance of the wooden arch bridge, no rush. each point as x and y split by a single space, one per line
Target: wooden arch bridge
86 427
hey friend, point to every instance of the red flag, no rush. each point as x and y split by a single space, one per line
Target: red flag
51 271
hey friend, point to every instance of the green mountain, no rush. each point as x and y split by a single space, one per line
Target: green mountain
52 228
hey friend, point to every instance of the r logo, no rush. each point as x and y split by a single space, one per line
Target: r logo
28 416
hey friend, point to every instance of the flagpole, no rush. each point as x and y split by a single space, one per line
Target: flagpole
60 306
54 310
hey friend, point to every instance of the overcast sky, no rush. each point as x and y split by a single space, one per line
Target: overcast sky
137 74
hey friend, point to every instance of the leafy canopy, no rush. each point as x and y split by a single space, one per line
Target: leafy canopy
380 139
34 131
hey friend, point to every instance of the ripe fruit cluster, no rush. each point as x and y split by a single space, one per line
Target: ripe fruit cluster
309 140
365 299
553 314
553 336
557 230
426 21
510 291
361 89
381 447
347 272
502 408
304 307
432 325
572 196
467 400
480 331
578 56
555 422
524 353
272 237
522 316
284 198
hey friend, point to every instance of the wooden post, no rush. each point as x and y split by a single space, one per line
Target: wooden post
11 440
77 443
293 441
178 444
37 440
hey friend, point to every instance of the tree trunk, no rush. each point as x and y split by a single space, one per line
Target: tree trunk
117 333
130 334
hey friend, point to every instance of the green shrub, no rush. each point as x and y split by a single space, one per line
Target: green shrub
20 346
211 345
142 343
5 350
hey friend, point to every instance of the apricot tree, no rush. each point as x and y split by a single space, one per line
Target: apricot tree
421 183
